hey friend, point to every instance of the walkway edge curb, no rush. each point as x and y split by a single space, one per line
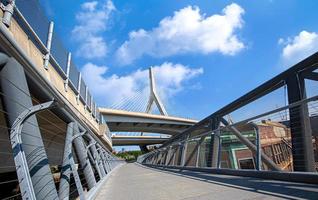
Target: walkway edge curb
300 177
92 194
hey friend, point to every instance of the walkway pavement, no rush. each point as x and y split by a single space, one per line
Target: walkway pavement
136 182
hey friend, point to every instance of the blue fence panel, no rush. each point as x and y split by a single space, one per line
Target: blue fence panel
74 75
59 52
83 89
33 13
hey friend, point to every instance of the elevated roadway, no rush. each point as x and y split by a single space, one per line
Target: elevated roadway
137 140
127 121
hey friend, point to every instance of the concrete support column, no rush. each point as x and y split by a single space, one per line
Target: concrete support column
69 167
16 97
83 159
64 187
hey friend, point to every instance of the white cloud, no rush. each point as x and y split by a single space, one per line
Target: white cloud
92 21
299 47
134 88
187 31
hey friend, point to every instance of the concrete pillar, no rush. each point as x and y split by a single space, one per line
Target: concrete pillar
99 161
64 187
83 159
16 97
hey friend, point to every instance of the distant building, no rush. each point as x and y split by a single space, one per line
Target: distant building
275 142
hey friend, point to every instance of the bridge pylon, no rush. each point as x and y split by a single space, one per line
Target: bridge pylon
153 96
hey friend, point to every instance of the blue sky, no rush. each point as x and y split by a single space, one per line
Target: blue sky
205 53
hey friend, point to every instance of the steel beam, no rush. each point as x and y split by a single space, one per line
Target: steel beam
301 134
251 146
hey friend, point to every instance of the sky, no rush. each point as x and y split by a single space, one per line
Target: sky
205 54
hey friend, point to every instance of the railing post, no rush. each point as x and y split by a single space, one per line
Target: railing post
79 88
184 151
8 12
68 66
169 154
301 133
216 154
198 155
258 147
86 93
102 159
48 45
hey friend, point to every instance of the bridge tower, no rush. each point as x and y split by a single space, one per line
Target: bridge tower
153 99
153 96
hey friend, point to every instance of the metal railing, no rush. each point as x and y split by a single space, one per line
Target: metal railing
54 146
31 17
223 148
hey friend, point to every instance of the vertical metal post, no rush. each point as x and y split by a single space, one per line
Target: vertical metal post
83 158
79 87
184 151
17 98
216 155
86 93
102 159
198 155
68 66
258 147
98 161
301 133
92 155
48 45
168 155
8 12
106 163
219 157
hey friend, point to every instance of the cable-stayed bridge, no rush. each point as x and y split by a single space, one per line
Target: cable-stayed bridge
134 115
56 142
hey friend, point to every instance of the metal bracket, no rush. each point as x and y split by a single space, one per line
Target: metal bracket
25 181
2 6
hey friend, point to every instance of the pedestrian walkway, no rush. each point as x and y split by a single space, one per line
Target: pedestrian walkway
136 182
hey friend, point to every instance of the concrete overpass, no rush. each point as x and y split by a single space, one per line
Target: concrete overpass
126 121
137 140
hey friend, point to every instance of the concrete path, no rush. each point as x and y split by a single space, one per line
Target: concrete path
135 182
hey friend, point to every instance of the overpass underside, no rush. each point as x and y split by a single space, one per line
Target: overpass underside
137 140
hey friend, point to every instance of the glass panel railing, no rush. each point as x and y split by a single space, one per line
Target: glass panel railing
74 75
33 13
83 90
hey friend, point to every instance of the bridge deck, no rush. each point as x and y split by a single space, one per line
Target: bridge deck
133 181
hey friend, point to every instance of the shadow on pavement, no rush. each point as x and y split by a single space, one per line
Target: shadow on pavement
279 189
